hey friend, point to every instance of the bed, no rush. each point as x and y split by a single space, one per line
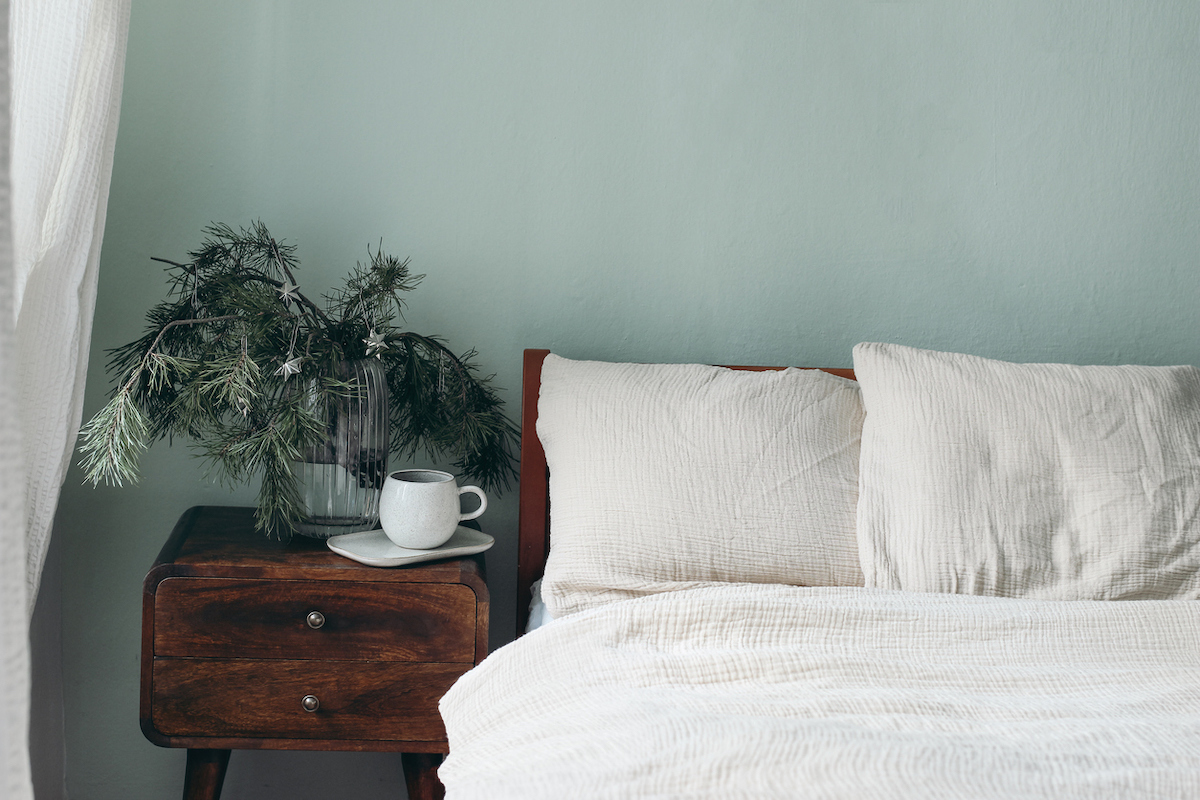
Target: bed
955 577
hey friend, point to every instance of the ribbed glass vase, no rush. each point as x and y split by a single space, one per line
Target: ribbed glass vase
340 478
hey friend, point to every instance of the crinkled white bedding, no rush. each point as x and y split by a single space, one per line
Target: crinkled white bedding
763 691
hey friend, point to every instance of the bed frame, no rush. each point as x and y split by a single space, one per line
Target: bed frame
533 526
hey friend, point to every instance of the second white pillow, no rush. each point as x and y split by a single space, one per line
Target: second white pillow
1049 481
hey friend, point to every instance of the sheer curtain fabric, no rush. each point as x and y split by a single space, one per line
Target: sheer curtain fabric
62 67
15 779
68 59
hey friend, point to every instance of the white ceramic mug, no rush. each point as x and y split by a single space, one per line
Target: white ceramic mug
419 508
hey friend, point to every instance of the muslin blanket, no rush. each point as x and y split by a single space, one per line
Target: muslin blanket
777 692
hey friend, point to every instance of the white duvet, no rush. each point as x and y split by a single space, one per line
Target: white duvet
770 692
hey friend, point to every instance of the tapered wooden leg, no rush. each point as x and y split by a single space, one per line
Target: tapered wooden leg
205 774
420 774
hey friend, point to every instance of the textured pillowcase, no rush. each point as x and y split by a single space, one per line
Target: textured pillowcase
1047 481
665 476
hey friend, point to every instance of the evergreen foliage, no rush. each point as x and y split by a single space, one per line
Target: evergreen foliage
224 358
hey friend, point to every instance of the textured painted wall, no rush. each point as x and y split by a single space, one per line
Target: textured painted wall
675 181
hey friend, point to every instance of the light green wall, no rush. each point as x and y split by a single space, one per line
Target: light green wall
679 181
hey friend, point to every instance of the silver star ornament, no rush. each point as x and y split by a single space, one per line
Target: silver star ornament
376 343
289 292
290 367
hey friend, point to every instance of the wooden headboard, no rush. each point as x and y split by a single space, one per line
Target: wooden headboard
533 526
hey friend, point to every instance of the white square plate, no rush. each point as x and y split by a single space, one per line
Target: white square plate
374 549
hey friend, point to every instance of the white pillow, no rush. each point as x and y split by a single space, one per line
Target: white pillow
666 476
1048 481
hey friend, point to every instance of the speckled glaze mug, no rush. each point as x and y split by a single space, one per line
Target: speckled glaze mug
419 508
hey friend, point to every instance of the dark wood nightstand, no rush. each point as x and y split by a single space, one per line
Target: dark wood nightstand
250 643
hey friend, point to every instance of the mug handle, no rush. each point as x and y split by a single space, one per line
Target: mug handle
482 502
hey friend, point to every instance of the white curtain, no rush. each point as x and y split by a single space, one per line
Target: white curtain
68 59
14 651
62 68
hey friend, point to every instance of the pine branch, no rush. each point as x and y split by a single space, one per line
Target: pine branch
209 368
113 441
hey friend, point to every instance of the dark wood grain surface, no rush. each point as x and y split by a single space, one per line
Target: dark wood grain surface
259 618
228 654
374 700
533 510
221 541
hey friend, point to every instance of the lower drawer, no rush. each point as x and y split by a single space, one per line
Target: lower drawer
358 700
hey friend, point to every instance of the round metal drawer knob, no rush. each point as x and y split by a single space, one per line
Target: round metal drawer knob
310 703
315 619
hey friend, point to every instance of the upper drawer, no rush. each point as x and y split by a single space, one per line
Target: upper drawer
234 618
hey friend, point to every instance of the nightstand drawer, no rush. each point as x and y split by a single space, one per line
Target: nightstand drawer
356 700
274 619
